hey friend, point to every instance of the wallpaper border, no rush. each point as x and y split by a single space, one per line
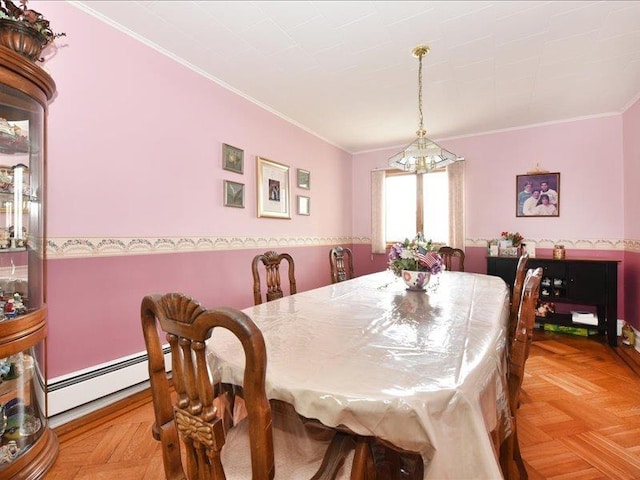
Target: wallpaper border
108 247
577 244
63 247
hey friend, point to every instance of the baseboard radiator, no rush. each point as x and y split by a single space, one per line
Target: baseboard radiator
95 387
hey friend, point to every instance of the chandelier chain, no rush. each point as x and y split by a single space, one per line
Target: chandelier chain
421 127
422 155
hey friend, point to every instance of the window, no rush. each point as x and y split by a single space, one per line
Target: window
445 202
417 203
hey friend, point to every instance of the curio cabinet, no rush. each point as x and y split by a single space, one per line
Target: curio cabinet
28 447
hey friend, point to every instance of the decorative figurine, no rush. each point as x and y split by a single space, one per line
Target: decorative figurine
18 305
628 335
8 309
8 452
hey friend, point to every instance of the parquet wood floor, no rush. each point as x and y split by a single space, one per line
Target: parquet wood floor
579 419
579 416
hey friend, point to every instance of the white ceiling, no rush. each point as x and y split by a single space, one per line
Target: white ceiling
344 70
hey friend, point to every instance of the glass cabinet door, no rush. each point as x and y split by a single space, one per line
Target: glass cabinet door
22 416
27 445
21 259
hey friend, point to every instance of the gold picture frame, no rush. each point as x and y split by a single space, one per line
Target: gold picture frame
274 189
232 159
233 194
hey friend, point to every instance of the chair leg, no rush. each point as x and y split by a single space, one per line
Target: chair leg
340 446
363 467
391 463
517 457
506 458
511 462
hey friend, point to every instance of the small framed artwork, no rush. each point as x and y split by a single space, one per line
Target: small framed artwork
232 159
273 189
304 205
304 179
233 194
538 195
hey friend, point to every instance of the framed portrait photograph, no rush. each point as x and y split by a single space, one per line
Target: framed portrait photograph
273 189
304 205
232 159
538 195
233 194
304 179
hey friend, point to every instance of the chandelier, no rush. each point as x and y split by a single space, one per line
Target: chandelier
423 154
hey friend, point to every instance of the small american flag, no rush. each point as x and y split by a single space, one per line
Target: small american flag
428 259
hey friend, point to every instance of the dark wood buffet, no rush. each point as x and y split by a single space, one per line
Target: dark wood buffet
571 281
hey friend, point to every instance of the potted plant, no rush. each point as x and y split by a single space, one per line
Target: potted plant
24 30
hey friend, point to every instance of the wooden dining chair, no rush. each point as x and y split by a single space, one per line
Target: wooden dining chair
511 461
271 261
376 459
194 418
516 295
448 255
341 262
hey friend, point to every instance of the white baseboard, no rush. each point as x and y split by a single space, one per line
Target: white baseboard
78 412
95 387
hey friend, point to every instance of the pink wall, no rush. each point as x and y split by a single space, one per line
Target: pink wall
631 169
135 144
95 302
589 184
134 150
631 149
632 288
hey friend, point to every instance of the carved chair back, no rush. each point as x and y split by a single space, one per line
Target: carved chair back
510 457
271 261
449 254
341 262
516 296
194 415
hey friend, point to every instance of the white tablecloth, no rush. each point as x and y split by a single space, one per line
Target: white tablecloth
423 371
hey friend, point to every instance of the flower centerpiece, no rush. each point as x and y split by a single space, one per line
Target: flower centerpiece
515 238
415 261
509 244
24 30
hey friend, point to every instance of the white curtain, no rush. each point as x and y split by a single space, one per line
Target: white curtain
455 175
378 242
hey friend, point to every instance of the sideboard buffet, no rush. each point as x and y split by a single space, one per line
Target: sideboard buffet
571 281
28 447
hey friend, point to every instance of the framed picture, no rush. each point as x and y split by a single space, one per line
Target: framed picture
233 194
232 159
304 179
538 195
273 189
304 205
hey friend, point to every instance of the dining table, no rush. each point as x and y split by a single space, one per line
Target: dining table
424 371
